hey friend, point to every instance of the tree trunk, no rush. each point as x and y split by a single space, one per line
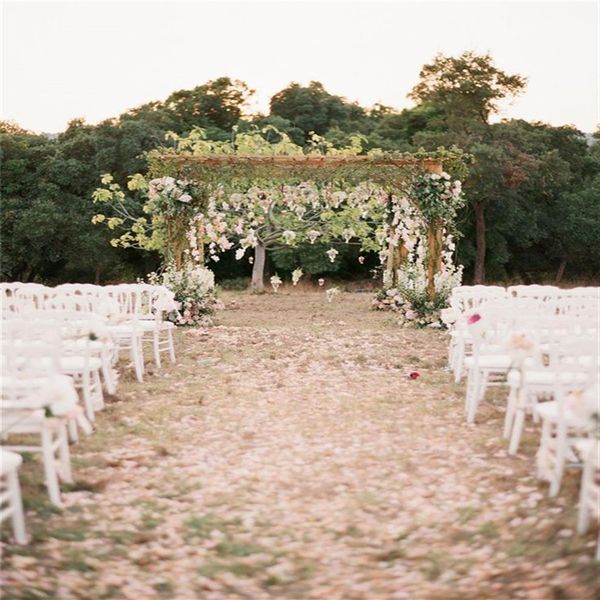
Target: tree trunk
258 268
97 275
561 270
480 243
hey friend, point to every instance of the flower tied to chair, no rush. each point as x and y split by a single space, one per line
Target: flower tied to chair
61 400
474 318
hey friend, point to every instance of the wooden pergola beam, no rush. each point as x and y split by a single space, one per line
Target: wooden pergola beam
283 160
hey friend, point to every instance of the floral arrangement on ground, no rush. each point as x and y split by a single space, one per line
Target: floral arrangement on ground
409 299
194 289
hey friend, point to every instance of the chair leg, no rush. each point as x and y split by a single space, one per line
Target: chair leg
543 450
156 347
517 430
473 385
73 431
559 463
88 401
483 385
64 455
137 359
50 472
16 502
107 374
510 413
171 346
97 389
458 363
583 516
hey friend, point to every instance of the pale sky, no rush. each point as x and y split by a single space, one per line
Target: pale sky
95 60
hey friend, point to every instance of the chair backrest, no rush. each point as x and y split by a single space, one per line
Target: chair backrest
466 298
30 347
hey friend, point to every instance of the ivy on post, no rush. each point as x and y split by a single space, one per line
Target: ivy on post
434 240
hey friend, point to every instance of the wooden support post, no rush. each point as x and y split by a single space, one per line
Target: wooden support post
199 242
434 242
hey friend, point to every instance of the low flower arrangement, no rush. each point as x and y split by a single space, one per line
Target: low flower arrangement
194 289
409 297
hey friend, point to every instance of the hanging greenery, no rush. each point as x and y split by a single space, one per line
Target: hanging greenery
252 194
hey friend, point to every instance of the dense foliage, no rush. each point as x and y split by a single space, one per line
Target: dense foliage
533 190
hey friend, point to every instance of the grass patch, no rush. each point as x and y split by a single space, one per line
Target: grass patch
434 567
165 589
231 548
202 526
238 568
489 530
466 513
390 555
75 561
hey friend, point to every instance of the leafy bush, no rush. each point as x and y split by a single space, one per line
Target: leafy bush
236 284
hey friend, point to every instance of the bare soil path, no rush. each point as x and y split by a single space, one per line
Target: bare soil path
288 455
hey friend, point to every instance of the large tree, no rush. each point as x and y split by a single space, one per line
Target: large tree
468 89
217 104
314 109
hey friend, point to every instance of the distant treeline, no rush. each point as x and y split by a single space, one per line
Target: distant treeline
533 189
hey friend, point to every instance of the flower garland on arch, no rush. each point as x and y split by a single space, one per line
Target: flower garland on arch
276 216
397 225
434 202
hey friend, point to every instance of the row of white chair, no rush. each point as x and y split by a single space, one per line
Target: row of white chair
542 343
466 301
133 313
57 342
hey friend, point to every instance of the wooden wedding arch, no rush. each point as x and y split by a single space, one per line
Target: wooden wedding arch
392 172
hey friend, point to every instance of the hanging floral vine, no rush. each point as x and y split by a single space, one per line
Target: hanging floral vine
253 195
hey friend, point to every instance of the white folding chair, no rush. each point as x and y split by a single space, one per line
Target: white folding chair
589 495
563 420
30 362
11 503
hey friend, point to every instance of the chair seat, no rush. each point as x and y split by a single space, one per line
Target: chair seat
23 421
543 377
549 411
589 447
76 364
124 330
9 461
151 325
94 345
464 333
490 361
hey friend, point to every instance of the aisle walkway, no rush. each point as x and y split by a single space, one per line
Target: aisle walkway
288 455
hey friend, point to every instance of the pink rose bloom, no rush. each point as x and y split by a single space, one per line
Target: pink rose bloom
473 319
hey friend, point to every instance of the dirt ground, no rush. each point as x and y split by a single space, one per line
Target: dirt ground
288 454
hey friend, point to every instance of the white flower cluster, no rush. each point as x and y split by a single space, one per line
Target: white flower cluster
275 282
296 275
170 188
194 289
290 214
409 297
